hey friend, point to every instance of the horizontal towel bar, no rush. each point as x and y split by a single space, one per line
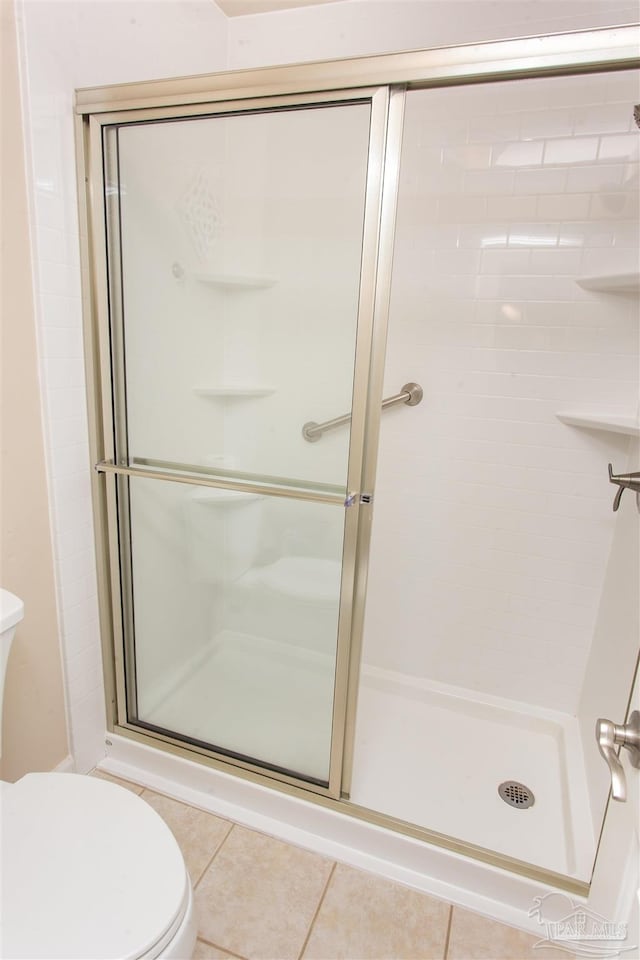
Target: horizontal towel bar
266 489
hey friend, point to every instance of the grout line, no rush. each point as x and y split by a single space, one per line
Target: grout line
183 803
317 911
213 856
216 946
448 936
112 778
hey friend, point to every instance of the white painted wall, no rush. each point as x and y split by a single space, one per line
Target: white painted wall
34 723
355 28
67 45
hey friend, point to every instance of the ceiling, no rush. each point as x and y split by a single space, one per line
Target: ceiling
240 8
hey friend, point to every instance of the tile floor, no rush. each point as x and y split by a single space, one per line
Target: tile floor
261 899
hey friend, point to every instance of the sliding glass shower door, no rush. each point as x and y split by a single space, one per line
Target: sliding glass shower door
235 264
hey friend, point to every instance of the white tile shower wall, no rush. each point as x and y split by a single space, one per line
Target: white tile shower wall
492 520
608 678
67 45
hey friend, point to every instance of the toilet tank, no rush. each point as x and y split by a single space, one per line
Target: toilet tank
11 613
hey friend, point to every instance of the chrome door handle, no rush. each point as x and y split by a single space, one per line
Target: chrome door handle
625 481
611 735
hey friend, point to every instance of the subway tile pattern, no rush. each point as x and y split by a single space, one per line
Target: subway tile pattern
493 519
261 899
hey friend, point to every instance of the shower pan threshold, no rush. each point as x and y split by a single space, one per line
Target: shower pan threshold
435 756
425 753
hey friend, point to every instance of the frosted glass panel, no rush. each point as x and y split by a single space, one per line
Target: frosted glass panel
235 601
241 246
235 245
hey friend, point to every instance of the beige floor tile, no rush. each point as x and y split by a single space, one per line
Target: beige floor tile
134 787
366 917
259 896
476 938
198 833
205 951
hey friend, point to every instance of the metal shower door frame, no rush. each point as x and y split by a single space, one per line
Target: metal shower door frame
105 355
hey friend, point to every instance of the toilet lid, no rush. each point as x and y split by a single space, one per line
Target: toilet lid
88 870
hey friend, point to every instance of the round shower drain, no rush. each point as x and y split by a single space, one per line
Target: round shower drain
516 794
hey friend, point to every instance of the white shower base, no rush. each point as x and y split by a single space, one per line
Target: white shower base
424 753
434 755
241 694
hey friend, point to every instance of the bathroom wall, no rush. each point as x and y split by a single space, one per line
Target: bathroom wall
34 730
357 28
582 346
65 45
614 652
492 518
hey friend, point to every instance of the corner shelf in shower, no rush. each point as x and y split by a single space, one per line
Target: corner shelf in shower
234 391
627 284
610 422
236 281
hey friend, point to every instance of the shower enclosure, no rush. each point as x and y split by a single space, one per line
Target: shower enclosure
237 245
360 358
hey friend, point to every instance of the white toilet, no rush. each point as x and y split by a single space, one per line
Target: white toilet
89 871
